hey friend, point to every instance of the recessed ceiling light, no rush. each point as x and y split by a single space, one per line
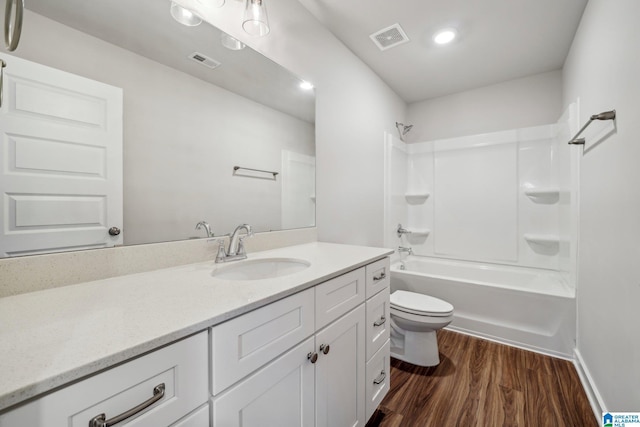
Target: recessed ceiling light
444 36
184 16
306 85
231 43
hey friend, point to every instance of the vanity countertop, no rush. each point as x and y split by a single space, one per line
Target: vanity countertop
52 337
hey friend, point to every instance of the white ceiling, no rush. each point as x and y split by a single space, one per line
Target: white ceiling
498 40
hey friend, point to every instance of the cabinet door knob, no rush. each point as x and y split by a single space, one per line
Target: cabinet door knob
114 231
313 357
325 348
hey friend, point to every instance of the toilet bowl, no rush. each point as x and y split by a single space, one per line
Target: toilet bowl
415 318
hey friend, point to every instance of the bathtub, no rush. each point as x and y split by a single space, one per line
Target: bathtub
525 307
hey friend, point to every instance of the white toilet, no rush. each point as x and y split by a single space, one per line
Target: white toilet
415 318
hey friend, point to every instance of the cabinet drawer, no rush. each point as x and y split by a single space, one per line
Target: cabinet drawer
337 296
244 344
378 321
378 276
181 367
378 378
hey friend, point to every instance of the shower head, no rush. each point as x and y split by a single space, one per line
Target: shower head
403 129
607 115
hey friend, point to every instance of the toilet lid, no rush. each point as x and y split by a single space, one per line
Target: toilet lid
412 302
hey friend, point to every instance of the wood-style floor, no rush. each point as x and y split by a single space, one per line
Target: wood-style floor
484 384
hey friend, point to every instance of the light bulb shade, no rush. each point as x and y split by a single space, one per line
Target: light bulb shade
212 3
184 16
231 42
255 22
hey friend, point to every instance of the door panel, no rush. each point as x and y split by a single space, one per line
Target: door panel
60 161
280 394
340 373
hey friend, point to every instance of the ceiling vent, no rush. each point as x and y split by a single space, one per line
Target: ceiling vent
204 60
389 37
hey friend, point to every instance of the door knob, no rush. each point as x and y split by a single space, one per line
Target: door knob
114 231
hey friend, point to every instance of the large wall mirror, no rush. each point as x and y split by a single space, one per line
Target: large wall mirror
116 115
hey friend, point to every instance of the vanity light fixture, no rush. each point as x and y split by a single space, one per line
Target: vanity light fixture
306 85
445 36
184 16
231 43
255 21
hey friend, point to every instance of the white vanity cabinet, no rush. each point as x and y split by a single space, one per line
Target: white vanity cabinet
259 380
158 389
319 357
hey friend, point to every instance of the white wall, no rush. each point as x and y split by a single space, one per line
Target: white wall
529 101
602 69
354 108
191 130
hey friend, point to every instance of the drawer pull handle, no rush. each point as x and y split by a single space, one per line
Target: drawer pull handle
380 378
382 276
101 421
325 348
380 322
313 357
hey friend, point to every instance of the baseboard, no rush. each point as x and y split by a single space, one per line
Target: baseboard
595 399
510 343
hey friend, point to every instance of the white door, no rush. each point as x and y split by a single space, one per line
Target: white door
278 395
340 373
298 190
60 161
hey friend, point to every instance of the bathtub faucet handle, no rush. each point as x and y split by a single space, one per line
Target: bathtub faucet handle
402 249
401 230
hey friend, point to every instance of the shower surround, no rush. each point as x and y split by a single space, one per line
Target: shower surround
505 199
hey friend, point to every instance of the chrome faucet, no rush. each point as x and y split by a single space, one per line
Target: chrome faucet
401 230
207 228
236 249
402 249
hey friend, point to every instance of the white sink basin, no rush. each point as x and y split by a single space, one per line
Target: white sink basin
257 269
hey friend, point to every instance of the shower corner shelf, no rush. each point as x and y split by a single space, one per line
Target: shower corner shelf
417 232
545 195
416 197
547 243
542 238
